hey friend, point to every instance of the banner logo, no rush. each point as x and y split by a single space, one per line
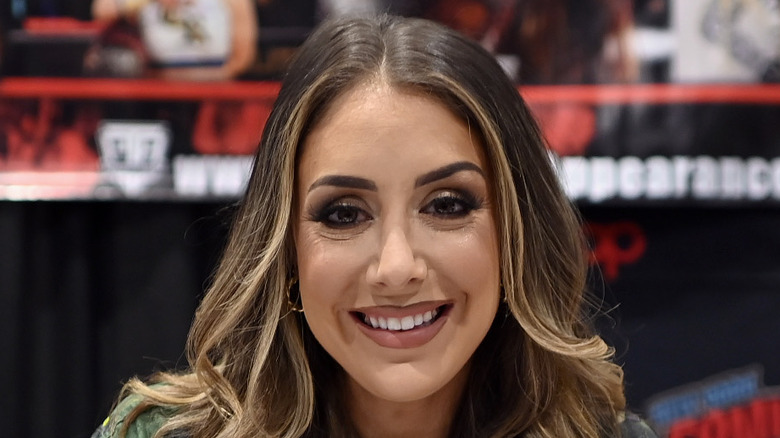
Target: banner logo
134 155
614 245
734 404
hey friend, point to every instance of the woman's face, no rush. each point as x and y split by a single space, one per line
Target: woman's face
396 242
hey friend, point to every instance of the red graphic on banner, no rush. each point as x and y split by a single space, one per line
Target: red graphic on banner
614 245
36 136
758 419
569 127
229 128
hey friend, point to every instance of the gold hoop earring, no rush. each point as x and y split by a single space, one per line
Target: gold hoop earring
504 303
294 303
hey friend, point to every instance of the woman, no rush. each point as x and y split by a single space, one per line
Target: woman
404 261
206 40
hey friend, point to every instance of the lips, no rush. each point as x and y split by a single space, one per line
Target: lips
405 327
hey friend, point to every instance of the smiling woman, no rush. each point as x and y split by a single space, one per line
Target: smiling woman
399 266
404 263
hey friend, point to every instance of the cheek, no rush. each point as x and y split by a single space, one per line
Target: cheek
329 273
327 270
471 260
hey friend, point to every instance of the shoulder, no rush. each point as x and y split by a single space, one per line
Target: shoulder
145 425
633 427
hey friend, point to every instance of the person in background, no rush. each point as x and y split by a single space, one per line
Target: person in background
198 40
190 39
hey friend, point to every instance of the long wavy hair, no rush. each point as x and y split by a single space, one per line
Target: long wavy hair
255 368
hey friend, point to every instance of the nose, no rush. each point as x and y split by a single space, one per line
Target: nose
397 265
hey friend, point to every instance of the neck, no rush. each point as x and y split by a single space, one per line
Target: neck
431 416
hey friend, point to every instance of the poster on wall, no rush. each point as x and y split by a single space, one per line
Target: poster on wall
657 101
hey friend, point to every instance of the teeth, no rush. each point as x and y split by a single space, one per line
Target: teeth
393 324
397 324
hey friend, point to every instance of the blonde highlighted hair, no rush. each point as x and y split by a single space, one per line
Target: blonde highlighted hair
255 368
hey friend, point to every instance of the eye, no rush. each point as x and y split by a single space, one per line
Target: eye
451 205
342 214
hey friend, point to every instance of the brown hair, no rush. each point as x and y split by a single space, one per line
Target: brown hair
256 370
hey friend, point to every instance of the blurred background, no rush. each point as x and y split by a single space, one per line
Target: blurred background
126 134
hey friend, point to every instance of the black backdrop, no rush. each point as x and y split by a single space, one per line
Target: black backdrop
93 293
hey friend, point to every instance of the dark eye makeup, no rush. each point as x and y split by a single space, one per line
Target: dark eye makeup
452 204
342 213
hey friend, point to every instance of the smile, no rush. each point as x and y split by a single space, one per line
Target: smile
404 323
404 327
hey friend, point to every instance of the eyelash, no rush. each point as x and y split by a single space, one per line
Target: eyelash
324 214
459 203
463 202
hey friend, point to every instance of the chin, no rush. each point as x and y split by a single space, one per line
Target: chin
409 391
406 382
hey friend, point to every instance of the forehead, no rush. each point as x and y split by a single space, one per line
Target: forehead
375 119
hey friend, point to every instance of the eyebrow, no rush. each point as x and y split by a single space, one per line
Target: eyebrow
446 171
354 182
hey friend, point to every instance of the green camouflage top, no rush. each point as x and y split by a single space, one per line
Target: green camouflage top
151 420
144 426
